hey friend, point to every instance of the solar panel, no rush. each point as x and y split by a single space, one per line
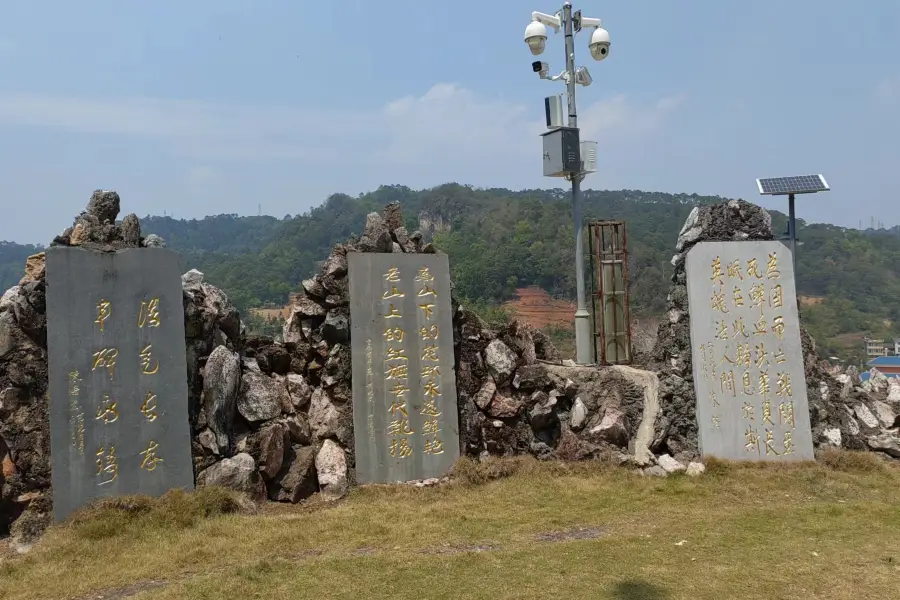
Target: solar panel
802 184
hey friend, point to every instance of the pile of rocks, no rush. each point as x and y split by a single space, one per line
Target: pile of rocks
843 412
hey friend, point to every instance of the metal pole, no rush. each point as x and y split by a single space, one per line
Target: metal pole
792 232
583 333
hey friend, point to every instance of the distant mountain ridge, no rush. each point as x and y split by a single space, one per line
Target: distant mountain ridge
501 240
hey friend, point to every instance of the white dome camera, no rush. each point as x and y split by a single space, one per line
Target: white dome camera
536 37
599 45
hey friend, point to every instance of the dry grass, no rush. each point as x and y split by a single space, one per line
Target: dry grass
504 529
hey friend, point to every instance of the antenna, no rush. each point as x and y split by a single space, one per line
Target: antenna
259 209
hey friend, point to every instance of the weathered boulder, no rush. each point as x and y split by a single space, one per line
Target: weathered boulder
221 385
238 473
331 469
501 361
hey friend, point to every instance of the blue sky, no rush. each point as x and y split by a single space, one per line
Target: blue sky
206 107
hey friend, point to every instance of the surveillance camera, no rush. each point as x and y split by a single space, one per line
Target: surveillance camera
536 37
541 68
583 76
599 45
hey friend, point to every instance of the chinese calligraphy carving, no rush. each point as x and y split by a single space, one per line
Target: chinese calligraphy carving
747 360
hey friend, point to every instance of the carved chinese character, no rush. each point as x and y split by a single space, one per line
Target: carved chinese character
722 333
393 293
764 388
430 352
716 422
107 464
757 296
788 443
400 448
767 413
104 310
753 269
150 459
713 399
717 271
717 302
424 275
393 313
762 357
734 270
399 406
399 427
748 411
393 334
105 359
431 371
107 411
428 309
430 409
739 328
392 275
747 384
395 353
431 389
772 271
770 443
399 390
786 409
783 388
149 365
751 438
429 333
778 326
776 299
430 427
434 446
400 371
148 406
149 313
727 383
427 290
760 327
74 383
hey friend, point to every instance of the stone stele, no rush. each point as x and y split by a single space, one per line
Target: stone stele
405 419
747 359
118 377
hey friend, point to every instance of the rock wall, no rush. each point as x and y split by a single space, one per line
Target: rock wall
843 413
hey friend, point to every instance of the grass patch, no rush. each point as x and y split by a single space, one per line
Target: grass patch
515 528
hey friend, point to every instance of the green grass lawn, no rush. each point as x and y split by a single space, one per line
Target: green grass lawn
506 529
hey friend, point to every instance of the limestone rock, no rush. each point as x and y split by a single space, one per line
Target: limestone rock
131 231
298 429
613 429
501 361
299 389
543 413
336 328
331 469
221 386
324 419
314 288
885 414
306 307
260 398
670 464
655 471
865 416
578 416
272 441
376 235
297 479
153 241
832 437
886 442
504 407
893 389
105 205
35 268
238 473
695 469
485 394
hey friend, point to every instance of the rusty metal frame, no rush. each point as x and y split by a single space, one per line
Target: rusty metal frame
608 247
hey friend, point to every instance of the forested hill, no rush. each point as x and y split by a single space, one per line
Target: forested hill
499 240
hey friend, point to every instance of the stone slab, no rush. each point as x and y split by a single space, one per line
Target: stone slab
747 359
118 375
405 418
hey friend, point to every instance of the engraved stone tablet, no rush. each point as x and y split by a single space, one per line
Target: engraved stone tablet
118 375
748 363
405 417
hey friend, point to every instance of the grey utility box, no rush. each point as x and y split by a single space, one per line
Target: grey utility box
562 155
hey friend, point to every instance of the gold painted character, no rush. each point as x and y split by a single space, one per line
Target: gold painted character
784 385
722 334
739 329
431 371
149 313
429 333
105 359
430 352
399 406
734 270
400 448
787 413
393 334
424 275
393 275
150 458
434 446
74 383
717 271
716 422
752 440
148 367
770 443
394 293
777 297
767 413
748 411
743 355
772 271
430 427
107 463
429 408
399 427
747 384
779 356
431 389
400 371
727 383
713 399
395 353
427 290
760 327
762 357
753 269
399 390
757 296
428 309
148 406
788 443
764 388
107 411
104 310
717 302
393 313
778 326
737 296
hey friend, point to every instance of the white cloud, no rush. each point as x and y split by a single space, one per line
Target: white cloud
447 123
